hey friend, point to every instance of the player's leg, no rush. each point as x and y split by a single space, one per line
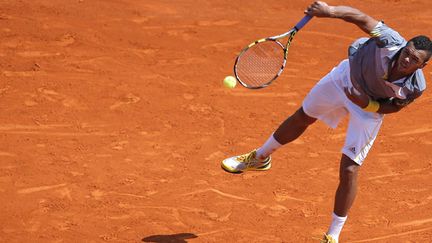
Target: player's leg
288 131
260 159
347 189
293 127
362 131
345 195
324 102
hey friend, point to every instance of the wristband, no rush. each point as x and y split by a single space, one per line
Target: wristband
373 106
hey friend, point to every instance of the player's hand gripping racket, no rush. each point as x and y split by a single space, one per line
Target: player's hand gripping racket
260 63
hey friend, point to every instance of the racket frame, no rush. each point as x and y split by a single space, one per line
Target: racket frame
290 34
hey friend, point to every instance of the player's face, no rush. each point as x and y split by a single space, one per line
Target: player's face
411 59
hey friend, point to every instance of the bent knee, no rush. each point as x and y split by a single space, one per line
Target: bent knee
349 169
304 118
348 176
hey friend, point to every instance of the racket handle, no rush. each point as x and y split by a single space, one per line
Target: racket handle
303 22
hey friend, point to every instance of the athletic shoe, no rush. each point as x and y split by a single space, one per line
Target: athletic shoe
245 162
328 239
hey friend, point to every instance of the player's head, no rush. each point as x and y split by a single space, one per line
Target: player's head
422 43
415 54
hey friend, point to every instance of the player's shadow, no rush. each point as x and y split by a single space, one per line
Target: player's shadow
175 238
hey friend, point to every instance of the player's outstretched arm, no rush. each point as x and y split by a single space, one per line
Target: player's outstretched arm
360 98
389 107
352 15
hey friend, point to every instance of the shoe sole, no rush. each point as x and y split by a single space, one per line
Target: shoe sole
262 168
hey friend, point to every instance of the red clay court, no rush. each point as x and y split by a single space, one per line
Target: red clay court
114 122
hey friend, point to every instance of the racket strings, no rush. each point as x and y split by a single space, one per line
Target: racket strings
260 64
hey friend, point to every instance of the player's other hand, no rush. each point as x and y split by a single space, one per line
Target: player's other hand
319 9
357 96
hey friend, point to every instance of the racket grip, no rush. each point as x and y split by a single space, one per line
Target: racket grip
303 22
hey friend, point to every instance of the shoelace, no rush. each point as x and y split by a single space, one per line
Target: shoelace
248 159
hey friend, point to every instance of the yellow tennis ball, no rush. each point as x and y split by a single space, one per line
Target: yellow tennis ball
229 82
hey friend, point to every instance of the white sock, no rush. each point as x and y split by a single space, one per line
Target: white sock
336 226
268 148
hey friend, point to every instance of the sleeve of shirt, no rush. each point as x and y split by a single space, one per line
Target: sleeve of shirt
386 37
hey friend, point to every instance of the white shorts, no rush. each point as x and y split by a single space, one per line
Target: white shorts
327 102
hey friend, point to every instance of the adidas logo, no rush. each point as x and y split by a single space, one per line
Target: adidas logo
353 150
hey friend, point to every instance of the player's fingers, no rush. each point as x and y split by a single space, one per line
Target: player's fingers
345 89
313 9
355 91
320 3
318 9
348 92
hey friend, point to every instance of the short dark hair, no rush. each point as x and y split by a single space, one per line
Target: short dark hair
422 42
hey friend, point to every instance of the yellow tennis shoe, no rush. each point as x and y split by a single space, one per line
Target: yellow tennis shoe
328 239
245 162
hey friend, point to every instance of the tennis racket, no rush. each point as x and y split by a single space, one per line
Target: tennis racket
263 61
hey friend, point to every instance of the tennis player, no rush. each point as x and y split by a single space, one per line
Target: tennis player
381 75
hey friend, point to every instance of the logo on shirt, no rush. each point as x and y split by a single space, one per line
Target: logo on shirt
353 150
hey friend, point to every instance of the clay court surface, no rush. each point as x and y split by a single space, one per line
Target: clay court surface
114 121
